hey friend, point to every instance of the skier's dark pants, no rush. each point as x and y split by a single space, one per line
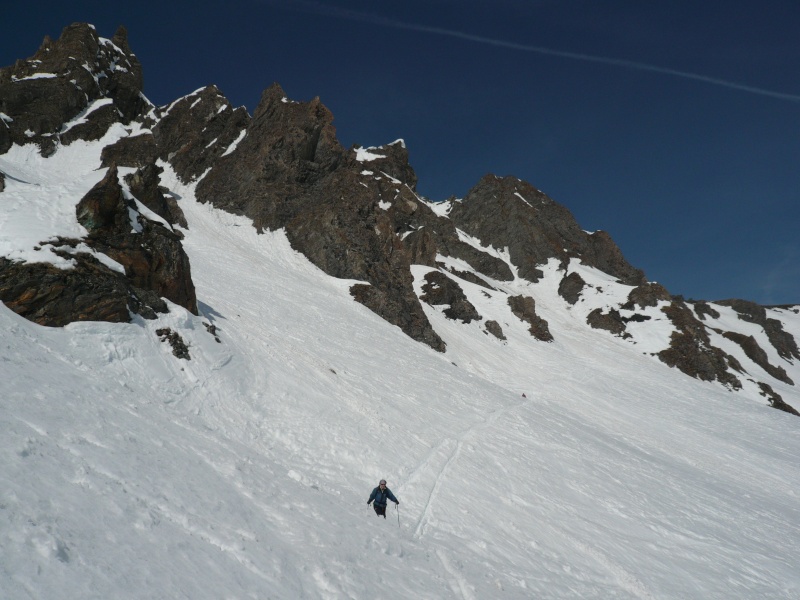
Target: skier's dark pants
380 510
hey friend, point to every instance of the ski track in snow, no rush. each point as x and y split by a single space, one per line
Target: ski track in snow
460 584
457 444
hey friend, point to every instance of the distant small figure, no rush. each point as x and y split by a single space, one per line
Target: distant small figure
380 494
524 396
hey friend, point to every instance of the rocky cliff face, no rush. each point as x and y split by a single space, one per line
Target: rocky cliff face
354 212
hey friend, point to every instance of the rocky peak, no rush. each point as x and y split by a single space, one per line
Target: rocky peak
507 212
193 132
120 40
390 160
298 133
288 148
65 79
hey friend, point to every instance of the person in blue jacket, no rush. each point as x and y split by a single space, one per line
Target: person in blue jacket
380 494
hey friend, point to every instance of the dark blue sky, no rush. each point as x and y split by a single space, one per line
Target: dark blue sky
697 181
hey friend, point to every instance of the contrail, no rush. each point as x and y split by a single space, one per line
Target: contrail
343 13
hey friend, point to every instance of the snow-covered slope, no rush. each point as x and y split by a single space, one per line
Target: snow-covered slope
580 468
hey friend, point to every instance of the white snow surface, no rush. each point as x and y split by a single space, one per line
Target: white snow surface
81 118
235 143
364 155
35 76
581 468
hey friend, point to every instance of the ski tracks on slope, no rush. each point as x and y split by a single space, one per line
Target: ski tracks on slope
459 583
441 459
446 453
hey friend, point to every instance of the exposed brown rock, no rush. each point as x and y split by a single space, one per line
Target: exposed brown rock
440 290
144 185
50 296
571 287
751 312
524 308
291 172
775 399
389 305
137 151
289 149
647 294
153 258
494 328
174 339
393 162
611 321
510 213
467 276
39 104
703 309
197 130
422 247
691 351
756 353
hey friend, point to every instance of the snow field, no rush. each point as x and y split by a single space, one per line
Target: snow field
244 472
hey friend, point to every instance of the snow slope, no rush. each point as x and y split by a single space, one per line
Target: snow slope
581 468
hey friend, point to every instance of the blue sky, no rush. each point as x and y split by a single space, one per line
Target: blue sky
674 126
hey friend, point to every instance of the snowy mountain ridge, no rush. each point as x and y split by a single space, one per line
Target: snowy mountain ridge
515 397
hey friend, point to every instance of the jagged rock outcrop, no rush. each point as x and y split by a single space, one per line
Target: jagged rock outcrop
703 310
495 329
647 294
610 321
691 351
427 235
751 312
196 131
440 290
288 149
510 213
78 75
136 151
466 276
290 172
145 186
391 160
150 253
73 88
570 287
90 291
756 353
775 399
524 308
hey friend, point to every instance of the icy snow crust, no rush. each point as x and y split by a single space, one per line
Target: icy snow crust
244 472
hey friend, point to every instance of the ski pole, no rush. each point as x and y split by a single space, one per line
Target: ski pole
397 508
